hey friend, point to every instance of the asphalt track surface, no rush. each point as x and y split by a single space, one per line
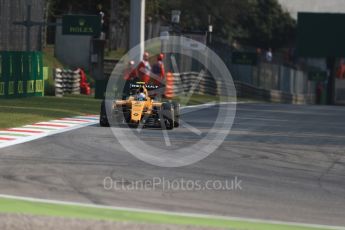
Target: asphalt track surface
290 159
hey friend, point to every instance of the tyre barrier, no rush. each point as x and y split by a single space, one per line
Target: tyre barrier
199 83
249 91
67 82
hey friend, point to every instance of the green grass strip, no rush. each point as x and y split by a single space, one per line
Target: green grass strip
23 111
94 213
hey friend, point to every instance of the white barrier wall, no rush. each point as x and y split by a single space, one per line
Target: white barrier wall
72 50
66 82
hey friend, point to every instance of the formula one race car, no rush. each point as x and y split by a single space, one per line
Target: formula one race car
140 108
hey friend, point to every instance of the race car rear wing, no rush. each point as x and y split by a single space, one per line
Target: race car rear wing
137 85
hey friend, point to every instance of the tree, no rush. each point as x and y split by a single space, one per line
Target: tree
261 23
267 25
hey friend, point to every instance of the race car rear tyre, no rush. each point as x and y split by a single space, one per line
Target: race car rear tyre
103 119
168 115
176 114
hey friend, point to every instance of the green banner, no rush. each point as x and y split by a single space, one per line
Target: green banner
81 25
21 74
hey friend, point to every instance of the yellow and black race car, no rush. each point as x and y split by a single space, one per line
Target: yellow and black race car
140 108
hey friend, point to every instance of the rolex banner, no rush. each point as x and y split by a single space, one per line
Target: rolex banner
21 74
81 25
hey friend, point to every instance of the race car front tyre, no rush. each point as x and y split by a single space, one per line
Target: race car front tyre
176 114
168 115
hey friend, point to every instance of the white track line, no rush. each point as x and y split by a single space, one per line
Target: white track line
67 122
24 130
47 123
118 208
206 105
39 128
5 135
